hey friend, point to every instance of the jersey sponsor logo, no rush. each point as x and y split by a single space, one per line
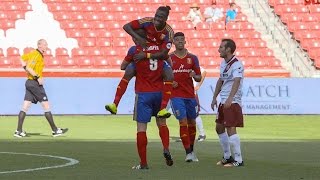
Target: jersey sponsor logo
182 70
168 45
153 48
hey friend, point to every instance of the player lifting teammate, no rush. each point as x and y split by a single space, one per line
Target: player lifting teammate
159 32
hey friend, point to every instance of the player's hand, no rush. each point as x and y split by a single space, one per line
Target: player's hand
228 103
196 88
214 103
142 42
175 84
192 74
40 81
141 55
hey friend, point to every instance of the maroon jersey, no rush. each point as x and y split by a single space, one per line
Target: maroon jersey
164 36
182 66
148 71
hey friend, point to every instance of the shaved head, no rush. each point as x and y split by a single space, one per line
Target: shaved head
42 45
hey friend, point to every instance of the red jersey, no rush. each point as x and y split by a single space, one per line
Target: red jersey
164 36
182 66
148 71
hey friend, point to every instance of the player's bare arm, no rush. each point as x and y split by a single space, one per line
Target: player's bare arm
235 87
216 92
196 77
203 76
124 65
141 41
162 54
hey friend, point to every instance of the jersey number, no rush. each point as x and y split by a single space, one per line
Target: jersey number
153 64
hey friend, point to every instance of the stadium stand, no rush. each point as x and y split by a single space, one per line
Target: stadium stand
97 27
303 22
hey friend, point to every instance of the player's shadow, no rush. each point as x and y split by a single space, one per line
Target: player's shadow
37 134
175 138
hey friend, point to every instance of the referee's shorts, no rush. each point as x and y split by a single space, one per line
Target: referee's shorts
34 92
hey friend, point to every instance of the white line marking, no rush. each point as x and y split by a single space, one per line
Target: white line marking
70 163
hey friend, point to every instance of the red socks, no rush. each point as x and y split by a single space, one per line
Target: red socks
192 133
166 94
122 87
184 135
164 135
142 142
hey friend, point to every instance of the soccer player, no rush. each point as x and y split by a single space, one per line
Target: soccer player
148 87
197 85
183 102
158 31
229 115
33 64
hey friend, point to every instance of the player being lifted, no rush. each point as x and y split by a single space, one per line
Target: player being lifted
183 102
159 32
148 88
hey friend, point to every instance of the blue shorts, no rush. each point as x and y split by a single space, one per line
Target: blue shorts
146 105
184 108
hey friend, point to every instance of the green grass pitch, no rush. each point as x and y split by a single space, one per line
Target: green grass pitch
273 148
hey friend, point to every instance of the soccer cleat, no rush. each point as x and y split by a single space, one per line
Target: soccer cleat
234 164
194 157
201 138
112 108
19 134
164 113
224 161
140 167
168 157
189 157
59 132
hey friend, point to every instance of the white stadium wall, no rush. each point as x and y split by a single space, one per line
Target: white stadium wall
89 95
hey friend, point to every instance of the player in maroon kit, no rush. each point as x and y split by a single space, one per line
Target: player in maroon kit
183 102
159 32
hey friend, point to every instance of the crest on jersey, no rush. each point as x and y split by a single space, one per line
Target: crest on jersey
169 45
177 112
189 60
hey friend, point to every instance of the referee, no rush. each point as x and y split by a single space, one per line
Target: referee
33 64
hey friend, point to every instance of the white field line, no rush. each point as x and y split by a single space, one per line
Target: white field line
70 162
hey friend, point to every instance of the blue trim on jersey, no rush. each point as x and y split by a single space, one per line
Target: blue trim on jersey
184 108
147 104
132 50
131 66
196 60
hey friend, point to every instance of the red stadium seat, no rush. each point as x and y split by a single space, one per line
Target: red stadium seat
79 52
27 50
104 42
101 62
13 51
87 42
85 62
62 52
52 62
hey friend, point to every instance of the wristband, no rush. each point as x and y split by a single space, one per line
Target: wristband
148 55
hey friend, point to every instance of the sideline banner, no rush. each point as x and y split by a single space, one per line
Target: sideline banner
89 95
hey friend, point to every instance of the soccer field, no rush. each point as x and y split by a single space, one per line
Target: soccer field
273 147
